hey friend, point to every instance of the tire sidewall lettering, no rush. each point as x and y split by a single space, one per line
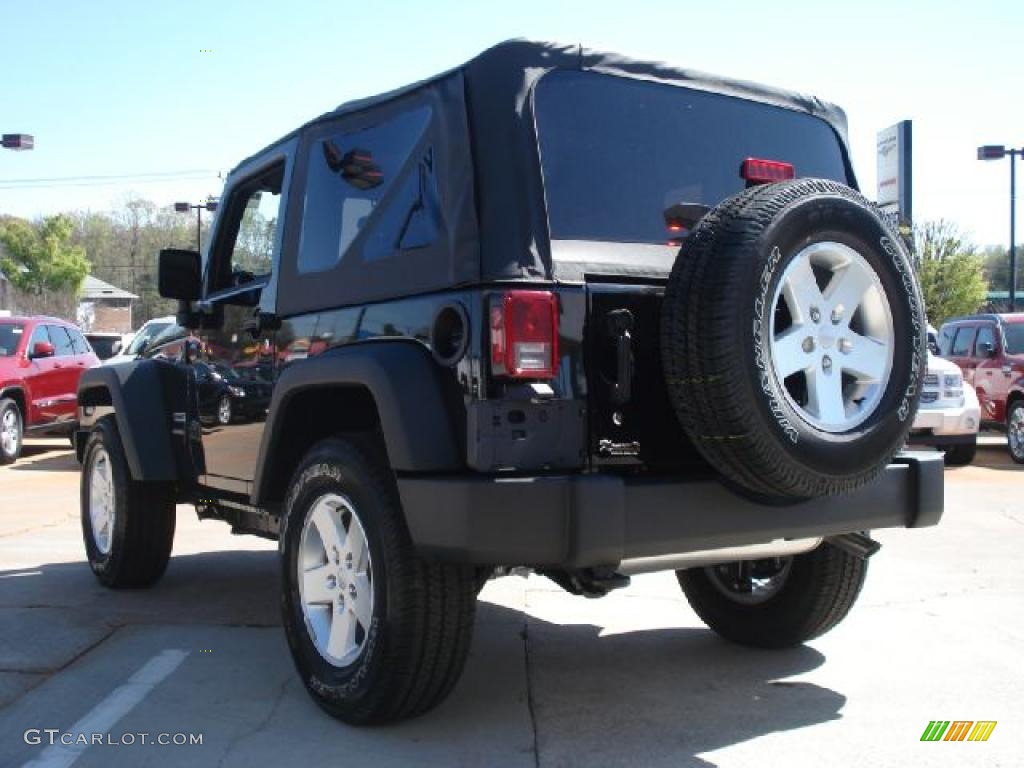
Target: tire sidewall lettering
761 323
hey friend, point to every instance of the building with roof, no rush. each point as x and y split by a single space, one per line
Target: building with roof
104 307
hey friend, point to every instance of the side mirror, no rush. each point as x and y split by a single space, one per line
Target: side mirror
934 348
42 349
987 349
180 276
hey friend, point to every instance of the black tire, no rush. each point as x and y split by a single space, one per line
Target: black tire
818 591
717 356
414 651
1011 414
142 533
960 455
11 414
225 410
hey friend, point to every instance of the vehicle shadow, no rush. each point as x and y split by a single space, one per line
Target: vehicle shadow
649 697
50 456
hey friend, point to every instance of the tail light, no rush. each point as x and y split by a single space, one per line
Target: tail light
758 171
524 335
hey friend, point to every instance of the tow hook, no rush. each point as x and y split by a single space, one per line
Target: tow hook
857 544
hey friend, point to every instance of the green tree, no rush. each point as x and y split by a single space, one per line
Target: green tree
42 257
951 271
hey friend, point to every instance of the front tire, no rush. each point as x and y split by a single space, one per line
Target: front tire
11 431
961 455
128 526
376 633
776 603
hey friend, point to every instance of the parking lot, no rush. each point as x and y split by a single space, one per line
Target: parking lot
633 679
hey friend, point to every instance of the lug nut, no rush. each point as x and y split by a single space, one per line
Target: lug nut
837 315
815 314
352 591
845 346
826 364
808 345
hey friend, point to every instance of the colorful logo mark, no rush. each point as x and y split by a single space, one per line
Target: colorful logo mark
958 730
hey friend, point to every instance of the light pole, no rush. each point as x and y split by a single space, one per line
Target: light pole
998 152
208 205
19 142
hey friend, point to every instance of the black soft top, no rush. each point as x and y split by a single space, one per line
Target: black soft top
498 227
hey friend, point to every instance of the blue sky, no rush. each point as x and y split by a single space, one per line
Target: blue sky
126 88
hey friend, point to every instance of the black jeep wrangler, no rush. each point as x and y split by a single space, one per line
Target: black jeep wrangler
556 309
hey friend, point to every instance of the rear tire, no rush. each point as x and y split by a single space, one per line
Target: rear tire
12 431
816 591
402 652
128 526
1015 431
960 455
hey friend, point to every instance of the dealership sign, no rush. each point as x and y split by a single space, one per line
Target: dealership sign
895 168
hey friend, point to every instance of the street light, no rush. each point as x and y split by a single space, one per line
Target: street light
19 142
998 152
207 205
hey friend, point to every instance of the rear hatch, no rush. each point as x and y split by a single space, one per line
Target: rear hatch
615 154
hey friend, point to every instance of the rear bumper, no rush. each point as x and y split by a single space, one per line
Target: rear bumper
577 521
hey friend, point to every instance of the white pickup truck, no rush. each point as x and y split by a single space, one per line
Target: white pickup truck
949 415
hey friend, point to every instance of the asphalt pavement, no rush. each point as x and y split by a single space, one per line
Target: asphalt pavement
633 679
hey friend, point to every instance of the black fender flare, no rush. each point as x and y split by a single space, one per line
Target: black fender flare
137 395
415 401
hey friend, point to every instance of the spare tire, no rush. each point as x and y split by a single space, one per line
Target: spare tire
793 340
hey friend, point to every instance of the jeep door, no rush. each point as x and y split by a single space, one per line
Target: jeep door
239 299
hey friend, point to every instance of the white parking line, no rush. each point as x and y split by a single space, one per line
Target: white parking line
116 705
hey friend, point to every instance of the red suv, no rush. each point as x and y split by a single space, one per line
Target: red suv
41 359
990 351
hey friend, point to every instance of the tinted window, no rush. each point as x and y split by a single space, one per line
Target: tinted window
10 337
616 152
946 339
963 342
985 334
103 346
61 340
78 342
145 335
1014 333
347 176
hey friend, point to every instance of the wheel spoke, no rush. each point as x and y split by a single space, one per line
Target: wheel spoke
316 585
343 633
847 288
801 290
788 353
325 518
868 358
825 396
362 606
354 548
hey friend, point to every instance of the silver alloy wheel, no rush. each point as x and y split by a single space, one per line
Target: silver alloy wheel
102 503
833 357
10 431
1015 432
335 578
224 410
750 582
